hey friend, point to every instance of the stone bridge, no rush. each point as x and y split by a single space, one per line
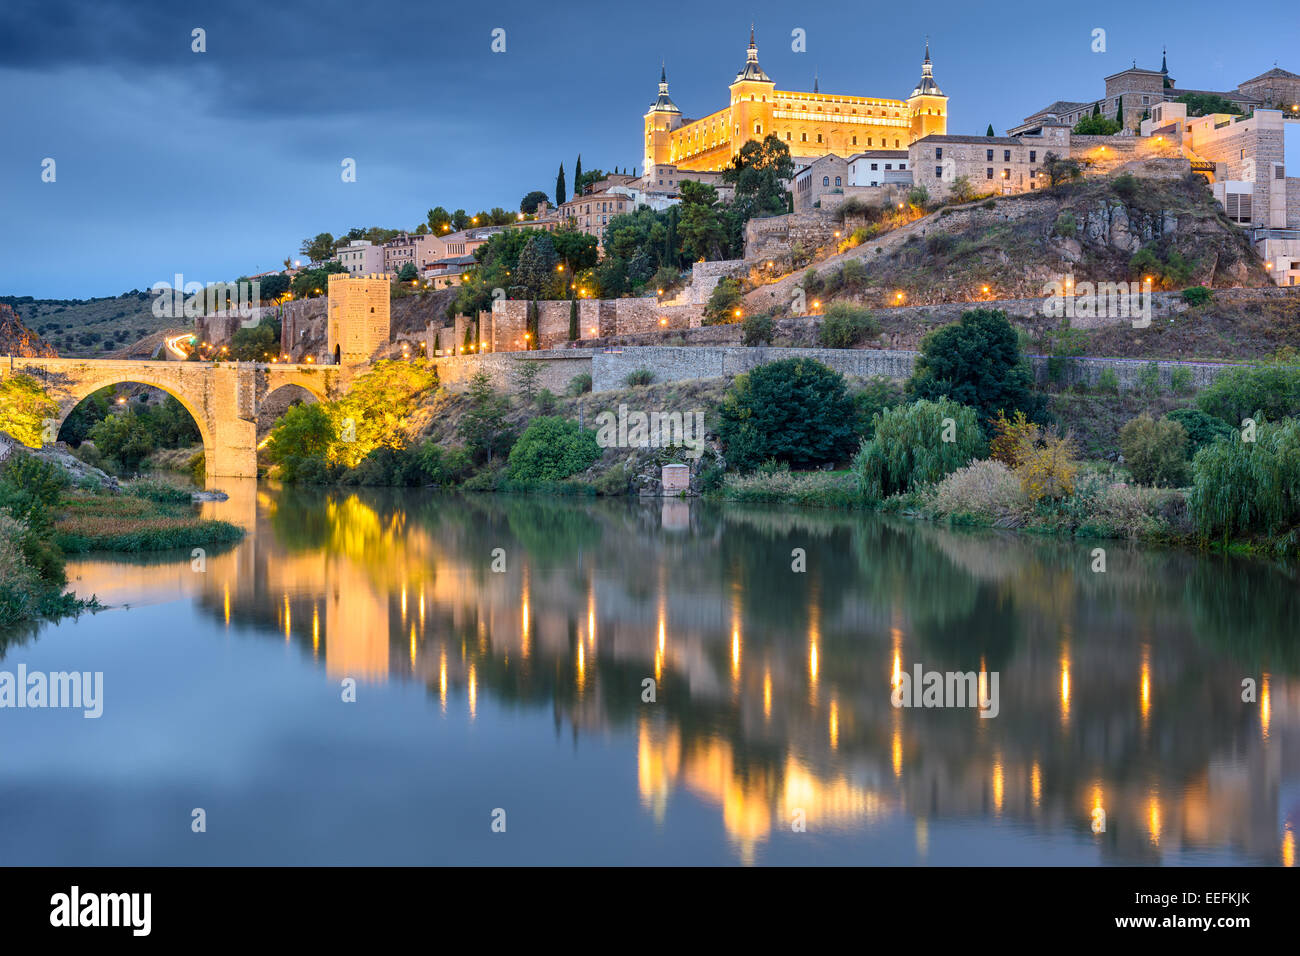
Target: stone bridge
223 397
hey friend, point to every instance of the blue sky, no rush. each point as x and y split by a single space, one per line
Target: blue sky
218 164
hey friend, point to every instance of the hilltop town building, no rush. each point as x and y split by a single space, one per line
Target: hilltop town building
811 124
361 257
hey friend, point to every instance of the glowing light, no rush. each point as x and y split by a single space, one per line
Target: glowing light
1153 819
442 679
998 785
226 604
735 652
896 748
473 692
812 662
1288 846
835 724
767 694
286 617
1265 707
1146 686
315 630
1036 783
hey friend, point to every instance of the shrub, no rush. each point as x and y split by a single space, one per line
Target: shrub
1046 465
1065 225
794 410
639 376
1241 487
877 394
25 408
976 362
444 466
986 489
579 384
1148 380
756 329
546 401
1009 435
988 204
157 491
916 444
845 326
1180 379
552 448
1108 381
1270 390
1126 185
1155 452
1196 295
1201 428
723 303
817 489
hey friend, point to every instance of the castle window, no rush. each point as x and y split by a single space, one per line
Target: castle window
989 173
938 172
938 152
787 136
855 141
837 181
803 137
819 137
826 180
895 144
988 155
758 128
1033 155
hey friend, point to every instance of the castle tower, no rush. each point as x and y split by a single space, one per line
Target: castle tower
358 317
752 102
927 104
660 120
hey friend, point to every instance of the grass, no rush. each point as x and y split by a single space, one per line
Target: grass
815 489
96 522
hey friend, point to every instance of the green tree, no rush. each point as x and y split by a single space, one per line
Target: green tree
794 410
256 343
552 448
319 249
701 228
723 306
577 176
408 273
989 131
976 362
439 220
1202 429
270 288
377 411
574 334
1205 104
1096 126
916 444
1248 487
1155 452
1059 170
560 194
125 439
1268 390
25 409
483 427
528 205
536 269
300 442
758 174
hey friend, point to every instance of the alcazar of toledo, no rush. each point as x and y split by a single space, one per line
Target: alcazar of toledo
812 124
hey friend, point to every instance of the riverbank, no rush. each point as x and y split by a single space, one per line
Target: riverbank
47 513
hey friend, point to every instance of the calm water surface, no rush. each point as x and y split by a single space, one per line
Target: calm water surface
522 690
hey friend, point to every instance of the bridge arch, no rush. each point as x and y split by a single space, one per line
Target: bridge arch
74 394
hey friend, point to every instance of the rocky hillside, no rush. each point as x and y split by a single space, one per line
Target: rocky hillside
411 315
17 339
1012 246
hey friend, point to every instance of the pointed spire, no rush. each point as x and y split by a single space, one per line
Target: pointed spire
752 70
927 85
1164 60
663 72
663 103
815 78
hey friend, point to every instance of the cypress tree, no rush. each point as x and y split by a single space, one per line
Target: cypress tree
1119 112
560 194
1096 108
577 177
533 323
990 130
573 319
469 334
437 342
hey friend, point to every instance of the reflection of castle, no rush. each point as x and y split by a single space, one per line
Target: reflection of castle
773 694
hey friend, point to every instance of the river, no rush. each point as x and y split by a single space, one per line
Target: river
395 677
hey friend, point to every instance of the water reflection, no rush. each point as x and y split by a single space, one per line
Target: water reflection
1121 692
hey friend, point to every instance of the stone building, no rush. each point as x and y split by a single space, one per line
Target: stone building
991 164
361 257
880 167
358 318
826 176
811 124
1135 92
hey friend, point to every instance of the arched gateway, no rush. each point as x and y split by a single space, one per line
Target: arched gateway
223 397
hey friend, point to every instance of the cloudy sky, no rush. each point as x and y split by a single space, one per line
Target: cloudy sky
217 164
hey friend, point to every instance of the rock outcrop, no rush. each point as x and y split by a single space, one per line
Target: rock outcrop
18 339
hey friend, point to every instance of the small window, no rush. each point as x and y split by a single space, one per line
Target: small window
988 155
938 172
875 167
826 180
1006 156
1006 174
837 181
938 152
1033 157
988 173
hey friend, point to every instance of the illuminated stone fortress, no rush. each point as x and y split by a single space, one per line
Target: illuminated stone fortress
811 124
